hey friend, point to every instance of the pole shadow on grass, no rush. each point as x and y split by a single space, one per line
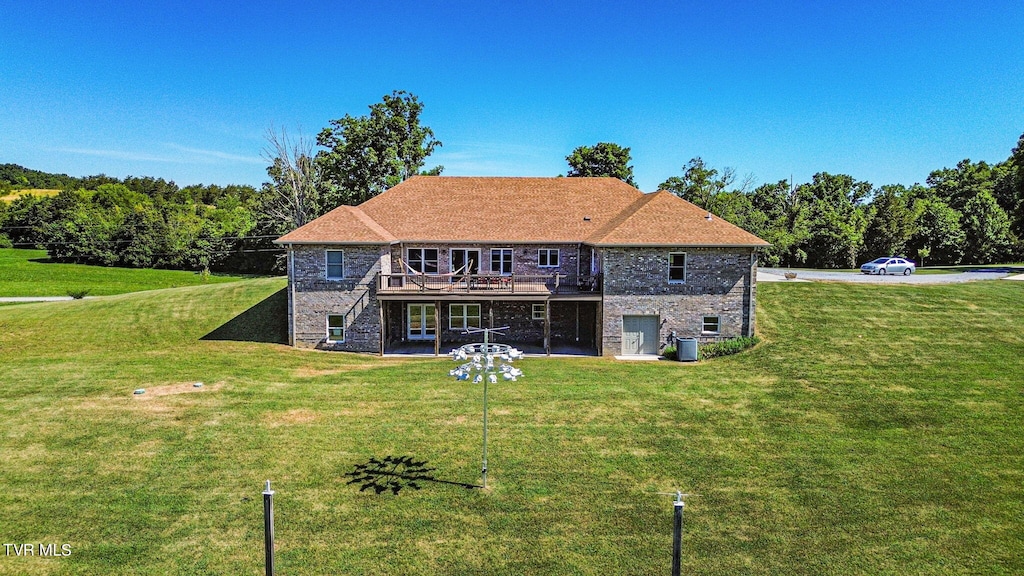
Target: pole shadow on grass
267 321
395 473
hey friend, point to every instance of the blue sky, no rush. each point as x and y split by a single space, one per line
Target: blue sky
883 91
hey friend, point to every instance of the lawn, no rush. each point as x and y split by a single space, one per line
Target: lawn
29 273
876 430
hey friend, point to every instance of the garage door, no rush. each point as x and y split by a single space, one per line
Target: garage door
639 334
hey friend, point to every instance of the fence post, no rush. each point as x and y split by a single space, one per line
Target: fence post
268 527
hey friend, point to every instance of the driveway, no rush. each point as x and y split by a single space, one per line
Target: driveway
824 276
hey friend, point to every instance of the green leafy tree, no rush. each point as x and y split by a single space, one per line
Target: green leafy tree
891 223
987 230
699 184
602 159
836 219
366 155
938 234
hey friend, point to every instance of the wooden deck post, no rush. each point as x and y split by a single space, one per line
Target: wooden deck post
547 327
437 327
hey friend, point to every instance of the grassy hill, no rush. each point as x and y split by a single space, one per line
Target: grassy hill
876 430
15 194
30 273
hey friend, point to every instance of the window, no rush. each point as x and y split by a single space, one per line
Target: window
463 316
423 260
711 325
547 258
539 311
677 268
335 328
335 264
501 261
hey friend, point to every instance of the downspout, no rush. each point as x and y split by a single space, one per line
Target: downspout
291 295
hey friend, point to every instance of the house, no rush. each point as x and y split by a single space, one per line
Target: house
587 265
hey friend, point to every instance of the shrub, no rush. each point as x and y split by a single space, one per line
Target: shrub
78 294
727 347
669 353
5 242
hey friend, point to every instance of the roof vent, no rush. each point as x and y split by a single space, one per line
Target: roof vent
708 217
586 218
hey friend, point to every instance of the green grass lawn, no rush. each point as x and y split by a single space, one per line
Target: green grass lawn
876 430
29 273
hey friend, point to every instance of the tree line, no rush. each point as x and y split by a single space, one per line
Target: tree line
970 214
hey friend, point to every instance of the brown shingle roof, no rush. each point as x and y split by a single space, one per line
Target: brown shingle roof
603 211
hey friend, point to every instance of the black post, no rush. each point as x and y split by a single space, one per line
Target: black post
677 535
268 527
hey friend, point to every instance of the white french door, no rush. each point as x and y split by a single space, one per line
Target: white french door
422 322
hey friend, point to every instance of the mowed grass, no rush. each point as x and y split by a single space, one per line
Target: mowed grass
29 273
876 430
15 194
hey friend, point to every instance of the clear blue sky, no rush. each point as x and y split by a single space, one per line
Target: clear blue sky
885 91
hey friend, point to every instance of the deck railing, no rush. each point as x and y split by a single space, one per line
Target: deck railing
488 284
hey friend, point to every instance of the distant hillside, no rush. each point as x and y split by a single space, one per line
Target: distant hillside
15 177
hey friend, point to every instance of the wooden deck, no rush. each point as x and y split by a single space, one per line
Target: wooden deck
486 285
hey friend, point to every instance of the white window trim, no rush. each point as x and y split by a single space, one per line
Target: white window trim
327 265
558 257
511 261
344 329
543 311
465 317
437 260
704 323
686 263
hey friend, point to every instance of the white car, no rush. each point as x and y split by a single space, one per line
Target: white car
889 265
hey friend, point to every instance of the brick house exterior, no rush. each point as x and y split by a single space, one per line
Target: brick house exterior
587 265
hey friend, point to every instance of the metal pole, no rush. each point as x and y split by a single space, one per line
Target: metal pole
486 378
677 533
268 527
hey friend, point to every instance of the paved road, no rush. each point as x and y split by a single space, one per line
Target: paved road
865 278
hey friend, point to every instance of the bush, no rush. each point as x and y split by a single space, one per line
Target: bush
5 242
727 347
669 353
78 294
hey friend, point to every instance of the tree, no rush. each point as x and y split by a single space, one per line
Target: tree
836 219
294 195
938 234
987 229
891 224
699 183
365 156
602 159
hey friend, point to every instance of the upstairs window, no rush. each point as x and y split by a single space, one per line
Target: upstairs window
335 328
501 261
423 260
677 268
547 258
335 264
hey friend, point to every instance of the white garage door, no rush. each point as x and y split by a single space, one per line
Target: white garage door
639 334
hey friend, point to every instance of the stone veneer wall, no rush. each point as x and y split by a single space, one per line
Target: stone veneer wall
719 282
354 296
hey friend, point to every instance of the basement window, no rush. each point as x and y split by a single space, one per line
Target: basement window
335 328
463 316
712 325
539 311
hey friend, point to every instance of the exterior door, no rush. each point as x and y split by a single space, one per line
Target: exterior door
461 257
639 335
422 323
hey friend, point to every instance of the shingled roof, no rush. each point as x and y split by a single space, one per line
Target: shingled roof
445 209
